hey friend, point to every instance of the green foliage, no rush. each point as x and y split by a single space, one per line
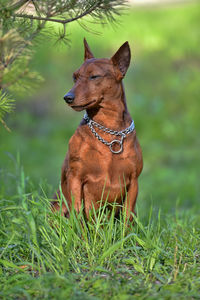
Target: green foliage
44 255
6 106
15 76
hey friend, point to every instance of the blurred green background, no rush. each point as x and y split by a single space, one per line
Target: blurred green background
163 93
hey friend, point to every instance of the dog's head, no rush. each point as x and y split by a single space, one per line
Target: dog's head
98 80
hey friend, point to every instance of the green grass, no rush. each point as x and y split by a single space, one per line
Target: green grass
46 256
158 257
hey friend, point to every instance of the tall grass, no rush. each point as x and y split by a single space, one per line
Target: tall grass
44 254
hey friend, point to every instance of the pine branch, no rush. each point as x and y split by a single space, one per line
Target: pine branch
5 125
6 106
39 18
27 40
17 5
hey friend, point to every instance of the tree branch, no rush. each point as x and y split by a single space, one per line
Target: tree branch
31 37
39 18
17 5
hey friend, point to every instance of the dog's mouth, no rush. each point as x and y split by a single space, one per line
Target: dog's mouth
81 107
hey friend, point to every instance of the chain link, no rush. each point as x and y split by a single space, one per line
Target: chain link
122 133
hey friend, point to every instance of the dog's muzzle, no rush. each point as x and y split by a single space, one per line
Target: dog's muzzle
69 97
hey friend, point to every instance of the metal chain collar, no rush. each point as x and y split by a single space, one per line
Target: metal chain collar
122 133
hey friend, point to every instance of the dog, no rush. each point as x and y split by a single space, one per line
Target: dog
104 158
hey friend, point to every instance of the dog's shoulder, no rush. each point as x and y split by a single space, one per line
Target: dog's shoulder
77 139
77 142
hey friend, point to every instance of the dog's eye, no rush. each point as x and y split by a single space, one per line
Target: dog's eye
92 77
74 78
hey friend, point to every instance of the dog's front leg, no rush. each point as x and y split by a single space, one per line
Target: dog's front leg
130 201
72 190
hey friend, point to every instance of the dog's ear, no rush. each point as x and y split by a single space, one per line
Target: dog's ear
121 59
88 53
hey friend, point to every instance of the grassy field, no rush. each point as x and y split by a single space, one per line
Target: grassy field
45 256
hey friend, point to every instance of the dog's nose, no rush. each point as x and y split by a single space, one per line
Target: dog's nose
69 97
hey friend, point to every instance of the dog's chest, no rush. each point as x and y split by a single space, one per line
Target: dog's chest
108 175
98 166
107 168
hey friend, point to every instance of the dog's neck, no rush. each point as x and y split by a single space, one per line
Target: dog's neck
112 113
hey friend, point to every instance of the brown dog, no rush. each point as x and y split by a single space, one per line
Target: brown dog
104 158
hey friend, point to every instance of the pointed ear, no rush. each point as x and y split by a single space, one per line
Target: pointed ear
121 59
88 53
